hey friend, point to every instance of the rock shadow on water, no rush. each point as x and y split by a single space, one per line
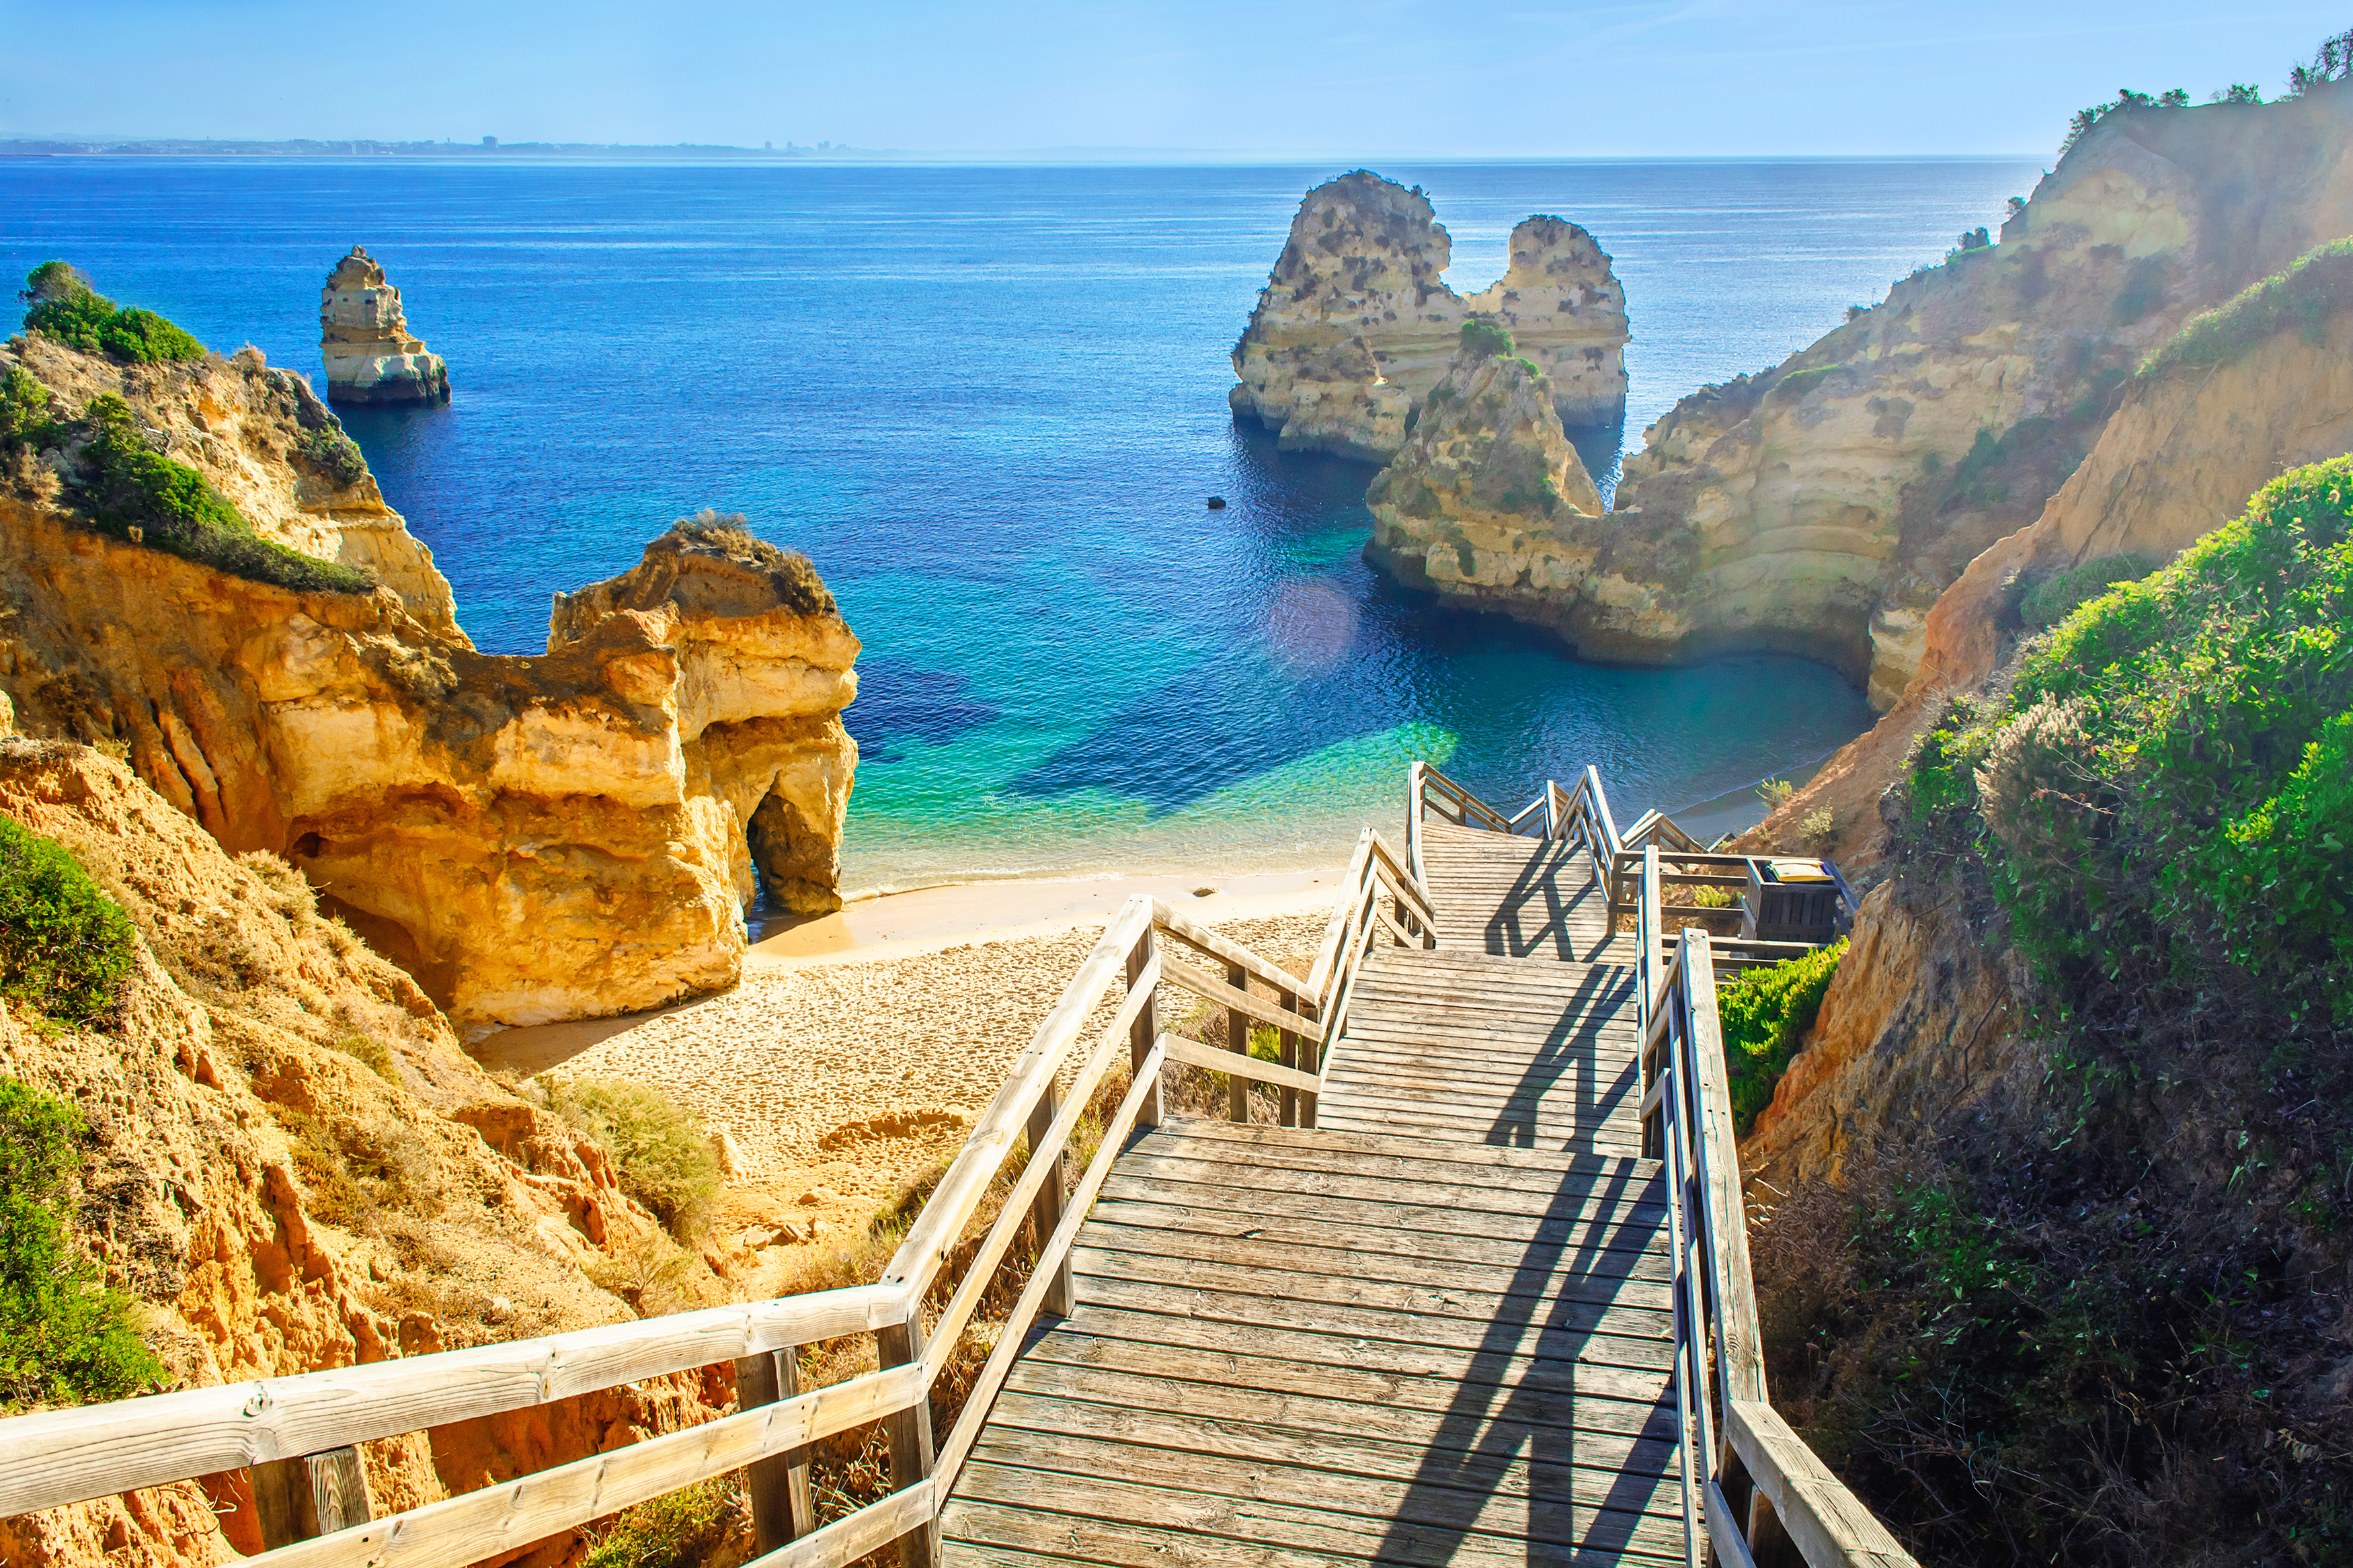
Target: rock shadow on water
899 701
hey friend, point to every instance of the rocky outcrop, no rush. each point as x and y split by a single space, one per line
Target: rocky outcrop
1356 326
1821 507
1487 502
364 339
287 1169
534 838
262 438
764 672
2184 450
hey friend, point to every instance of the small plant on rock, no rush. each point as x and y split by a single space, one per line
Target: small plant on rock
65 947
1485 338
333 454
660 1151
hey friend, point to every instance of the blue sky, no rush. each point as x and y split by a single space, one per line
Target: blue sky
1376 78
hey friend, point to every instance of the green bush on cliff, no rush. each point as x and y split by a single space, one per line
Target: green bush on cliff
127 485
661 1154
1485 338
2302 298
64 946
66 308
333 454
2154 798
1764 1015
2057 596
63 1337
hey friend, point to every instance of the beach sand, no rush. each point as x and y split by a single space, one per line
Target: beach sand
860 1047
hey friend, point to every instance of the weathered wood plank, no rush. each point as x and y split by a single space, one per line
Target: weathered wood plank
66 1455
1215 990
1827 1522
1482 1298
1376 1246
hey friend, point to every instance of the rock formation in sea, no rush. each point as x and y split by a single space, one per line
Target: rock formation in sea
1356 326
290 1165
1822 506
1487 502
364 339
534 839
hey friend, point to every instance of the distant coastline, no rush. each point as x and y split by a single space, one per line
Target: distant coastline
362 147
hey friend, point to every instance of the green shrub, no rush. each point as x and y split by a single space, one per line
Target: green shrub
1485 338
2055 597
24 411
661 1151
66 308
333 454
2159 800
2318 284
1798 383
791 573
683 1528
64 946
1765 1013
125 484
63 1337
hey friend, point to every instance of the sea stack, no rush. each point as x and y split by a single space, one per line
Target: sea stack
1356 326
369 356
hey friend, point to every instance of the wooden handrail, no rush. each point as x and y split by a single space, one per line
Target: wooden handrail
1742 1467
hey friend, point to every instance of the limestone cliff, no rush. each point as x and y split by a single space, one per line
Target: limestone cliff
534 838
1356 325
1487 502
2187 444
1822 506
293 1166
364 337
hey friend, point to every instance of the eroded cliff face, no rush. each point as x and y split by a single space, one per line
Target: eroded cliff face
294 1166
1488 502
1822 507
1356 326
242 425
2179 459
534 839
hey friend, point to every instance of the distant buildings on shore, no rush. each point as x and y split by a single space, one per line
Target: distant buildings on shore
488 147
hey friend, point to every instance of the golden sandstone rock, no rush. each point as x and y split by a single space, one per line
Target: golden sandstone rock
1354 326
1821 507
364 339
298 1168
534 839
1487 502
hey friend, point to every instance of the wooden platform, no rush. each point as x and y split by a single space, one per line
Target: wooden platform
1434 1330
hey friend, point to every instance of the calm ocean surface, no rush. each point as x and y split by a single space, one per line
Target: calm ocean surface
988 402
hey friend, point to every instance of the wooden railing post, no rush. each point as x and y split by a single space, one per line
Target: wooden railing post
1238 1033
1145 1029
910 1430
779 1484
1045 1209
1287 1047
302 1499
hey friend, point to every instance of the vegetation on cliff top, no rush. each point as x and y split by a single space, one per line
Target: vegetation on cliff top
64 946
64 307
2317 286
2057 596
792 573
1485 338
63 1336
2102 1317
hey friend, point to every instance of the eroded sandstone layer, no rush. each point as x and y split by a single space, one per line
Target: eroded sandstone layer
293 1166
1487 502
1356 325
534 839
1821 507
2184 450
366 340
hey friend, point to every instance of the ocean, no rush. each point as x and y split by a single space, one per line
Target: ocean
989 402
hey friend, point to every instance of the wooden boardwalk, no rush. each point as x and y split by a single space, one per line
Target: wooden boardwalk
1436 1329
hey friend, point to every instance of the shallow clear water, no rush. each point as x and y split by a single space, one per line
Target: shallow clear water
989 402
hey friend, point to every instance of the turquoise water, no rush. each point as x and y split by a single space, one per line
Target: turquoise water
989 401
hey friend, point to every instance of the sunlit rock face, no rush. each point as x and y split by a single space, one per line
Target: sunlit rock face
364 337
1822 506
1356 326
1488 503
562 836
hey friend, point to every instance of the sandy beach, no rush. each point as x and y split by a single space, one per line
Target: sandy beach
860 1045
